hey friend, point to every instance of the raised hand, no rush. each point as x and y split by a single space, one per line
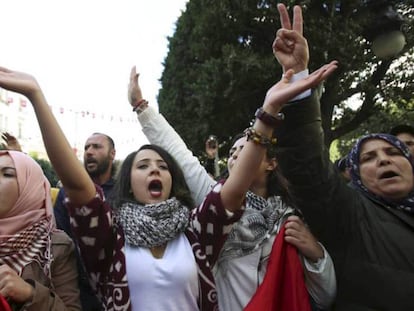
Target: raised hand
11 142
78 185
283 91
211 147
290 47
298 234
134 90
19 82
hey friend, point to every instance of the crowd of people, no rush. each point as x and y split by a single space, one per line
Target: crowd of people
167 233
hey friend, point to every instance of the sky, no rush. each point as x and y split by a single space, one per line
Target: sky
81 53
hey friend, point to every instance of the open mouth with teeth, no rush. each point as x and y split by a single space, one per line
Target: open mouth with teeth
91 161
155 188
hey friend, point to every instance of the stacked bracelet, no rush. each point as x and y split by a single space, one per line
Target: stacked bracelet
268 119
135 107
258 138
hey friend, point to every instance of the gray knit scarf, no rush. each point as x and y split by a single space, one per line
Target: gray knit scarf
152 225
260 220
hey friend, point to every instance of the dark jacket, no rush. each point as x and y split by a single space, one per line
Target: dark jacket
372 245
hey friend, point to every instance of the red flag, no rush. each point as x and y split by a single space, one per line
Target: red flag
4 305
283 287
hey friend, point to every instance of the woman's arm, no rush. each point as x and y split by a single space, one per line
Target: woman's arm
77 183
159 132
320 192
320 280
248 161
318 267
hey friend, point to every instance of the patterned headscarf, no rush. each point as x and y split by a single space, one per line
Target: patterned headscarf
354 165
25 229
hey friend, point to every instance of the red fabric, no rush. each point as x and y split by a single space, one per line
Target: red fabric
283 287
4 305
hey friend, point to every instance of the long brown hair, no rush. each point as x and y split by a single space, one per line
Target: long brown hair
277 184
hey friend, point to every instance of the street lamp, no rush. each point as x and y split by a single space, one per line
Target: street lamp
385 33
389 44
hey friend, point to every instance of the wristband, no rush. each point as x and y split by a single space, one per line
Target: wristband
268 119
136 106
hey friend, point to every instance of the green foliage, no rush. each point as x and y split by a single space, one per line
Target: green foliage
392 114
220 65
48 171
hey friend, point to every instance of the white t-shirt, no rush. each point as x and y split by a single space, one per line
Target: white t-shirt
163 284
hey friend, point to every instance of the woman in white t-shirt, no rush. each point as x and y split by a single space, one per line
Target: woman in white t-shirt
240 264
140 249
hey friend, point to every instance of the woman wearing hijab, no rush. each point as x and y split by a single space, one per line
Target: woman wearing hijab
125 268
368 227
37 262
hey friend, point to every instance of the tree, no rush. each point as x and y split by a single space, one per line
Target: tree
392 114
48 171
45 165
220 65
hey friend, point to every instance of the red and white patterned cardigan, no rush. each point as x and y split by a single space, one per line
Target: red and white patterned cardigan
101 243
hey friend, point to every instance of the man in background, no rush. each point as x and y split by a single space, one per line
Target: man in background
405 133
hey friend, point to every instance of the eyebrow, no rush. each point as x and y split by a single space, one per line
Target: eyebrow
386 149
368 152
148 160
93 145
8 168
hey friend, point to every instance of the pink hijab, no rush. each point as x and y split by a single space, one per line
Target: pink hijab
25 231
34 203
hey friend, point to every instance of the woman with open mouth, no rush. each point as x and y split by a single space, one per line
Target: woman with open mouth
240 263
147 255
151 251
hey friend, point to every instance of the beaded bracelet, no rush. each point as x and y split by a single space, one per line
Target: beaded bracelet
258 138
136 106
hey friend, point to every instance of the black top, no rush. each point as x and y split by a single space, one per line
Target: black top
372 245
